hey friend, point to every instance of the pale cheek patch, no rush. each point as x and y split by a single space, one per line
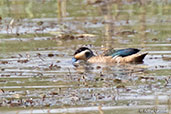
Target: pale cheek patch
81 56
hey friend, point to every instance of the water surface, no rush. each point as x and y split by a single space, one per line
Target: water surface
37 44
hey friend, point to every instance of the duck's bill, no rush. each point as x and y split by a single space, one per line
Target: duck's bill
74 60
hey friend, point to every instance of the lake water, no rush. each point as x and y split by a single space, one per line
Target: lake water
38 40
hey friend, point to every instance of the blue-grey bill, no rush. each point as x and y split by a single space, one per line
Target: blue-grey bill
74 60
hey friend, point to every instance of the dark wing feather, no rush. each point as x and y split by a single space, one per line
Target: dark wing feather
125 52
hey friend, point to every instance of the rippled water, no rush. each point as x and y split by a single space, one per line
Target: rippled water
36 73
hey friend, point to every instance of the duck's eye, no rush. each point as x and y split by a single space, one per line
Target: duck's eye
87 54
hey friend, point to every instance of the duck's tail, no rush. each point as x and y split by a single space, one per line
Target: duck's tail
140 57
135 58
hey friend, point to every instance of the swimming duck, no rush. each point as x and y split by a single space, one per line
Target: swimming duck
129 55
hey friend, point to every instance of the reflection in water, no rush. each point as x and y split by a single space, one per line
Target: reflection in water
117 70
9 9
143 24
28 9
110 18
61 9
107 12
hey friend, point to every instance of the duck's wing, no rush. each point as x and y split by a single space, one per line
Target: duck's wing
125 52
121 52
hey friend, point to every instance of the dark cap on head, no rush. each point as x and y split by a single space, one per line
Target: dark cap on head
81 49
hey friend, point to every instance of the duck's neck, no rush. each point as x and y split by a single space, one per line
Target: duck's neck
89 56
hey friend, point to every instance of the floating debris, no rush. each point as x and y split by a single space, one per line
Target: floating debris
23 61
50 55
166 58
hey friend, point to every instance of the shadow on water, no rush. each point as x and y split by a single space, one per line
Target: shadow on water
37 44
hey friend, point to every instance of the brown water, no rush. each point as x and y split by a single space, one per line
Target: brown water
37 45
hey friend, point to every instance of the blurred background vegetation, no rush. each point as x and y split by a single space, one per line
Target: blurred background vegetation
79 8
106 18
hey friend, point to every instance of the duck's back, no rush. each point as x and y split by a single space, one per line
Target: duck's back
121 52
100 59
128 55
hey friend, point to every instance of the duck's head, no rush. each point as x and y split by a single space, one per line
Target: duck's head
82 53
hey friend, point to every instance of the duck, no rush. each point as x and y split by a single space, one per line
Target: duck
128 55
